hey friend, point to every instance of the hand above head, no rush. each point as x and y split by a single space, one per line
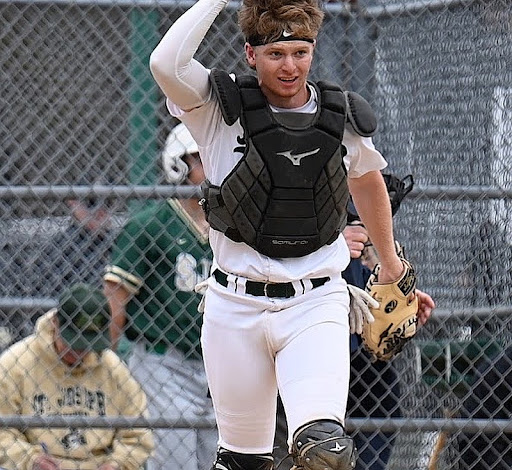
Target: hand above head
356 236
425 306
46 462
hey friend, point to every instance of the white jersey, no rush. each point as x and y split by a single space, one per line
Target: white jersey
220 150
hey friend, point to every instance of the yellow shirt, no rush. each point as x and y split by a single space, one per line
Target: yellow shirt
35 382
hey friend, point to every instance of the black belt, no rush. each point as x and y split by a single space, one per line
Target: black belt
282 289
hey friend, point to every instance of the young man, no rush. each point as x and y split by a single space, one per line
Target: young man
65 368
159 256
280 165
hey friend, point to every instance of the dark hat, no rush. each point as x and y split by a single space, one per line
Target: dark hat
84 316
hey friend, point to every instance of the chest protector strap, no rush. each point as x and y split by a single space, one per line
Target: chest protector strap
288 194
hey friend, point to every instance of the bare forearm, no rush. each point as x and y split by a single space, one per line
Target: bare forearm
117 297
372 203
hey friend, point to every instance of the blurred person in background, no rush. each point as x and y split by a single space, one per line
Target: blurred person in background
158 258
79 253
374 390
374 385
490 398
66 369
49 260
488 279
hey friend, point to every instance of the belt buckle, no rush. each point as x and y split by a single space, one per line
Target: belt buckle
265 289
279 290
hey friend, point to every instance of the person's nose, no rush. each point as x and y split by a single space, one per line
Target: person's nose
288 63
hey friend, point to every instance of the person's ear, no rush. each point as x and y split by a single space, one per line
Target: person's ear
250 55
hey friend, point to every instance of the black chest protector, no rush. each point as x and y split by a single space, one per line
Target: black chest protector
287 196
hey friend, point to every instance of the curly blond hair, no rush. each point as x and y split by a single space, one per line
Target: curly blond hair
264 21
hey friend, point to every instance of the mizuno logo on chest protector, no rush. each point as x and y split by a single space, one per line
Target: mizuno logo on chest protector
338 448
282 207
295 159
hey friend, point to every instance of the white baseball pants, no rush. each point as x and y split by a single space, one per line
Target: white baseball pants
253 346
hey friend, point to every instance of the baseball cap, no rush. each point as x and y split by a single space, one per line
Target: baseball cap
83 313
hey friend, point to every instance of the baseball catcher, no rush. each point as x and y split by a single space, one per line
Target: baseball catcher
279 168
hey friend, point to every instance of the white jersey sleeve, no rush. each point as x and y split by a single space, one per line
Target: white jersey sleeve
182 79
362 156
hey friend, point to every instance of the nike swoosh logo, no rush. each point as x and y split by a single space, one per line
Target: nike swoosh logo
295 159
286 34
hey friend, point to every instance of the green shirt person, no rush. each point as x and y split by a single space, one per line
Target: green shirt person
159 257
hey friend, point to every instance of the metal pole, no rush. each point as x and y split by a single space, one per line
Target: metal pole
105 191
382 424
27 303
144 100
340 8
142 191
382 11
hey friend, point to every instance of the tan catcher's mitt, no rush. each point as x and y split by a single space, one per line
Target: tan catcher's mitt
396 317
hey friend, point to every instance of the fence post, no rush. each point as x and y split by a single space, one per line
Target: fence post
143 98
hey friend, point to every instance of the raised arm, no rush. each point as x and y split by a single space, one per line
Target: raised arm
182 79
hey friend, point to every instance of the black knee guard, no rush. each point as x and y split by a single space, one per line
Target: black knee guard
323 445
227 460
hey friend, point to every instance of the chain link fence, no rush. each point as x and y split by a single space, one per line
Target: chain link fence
82 124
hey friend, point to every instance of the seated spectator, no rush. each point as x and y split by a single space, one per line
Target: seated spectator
491 398
66 369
